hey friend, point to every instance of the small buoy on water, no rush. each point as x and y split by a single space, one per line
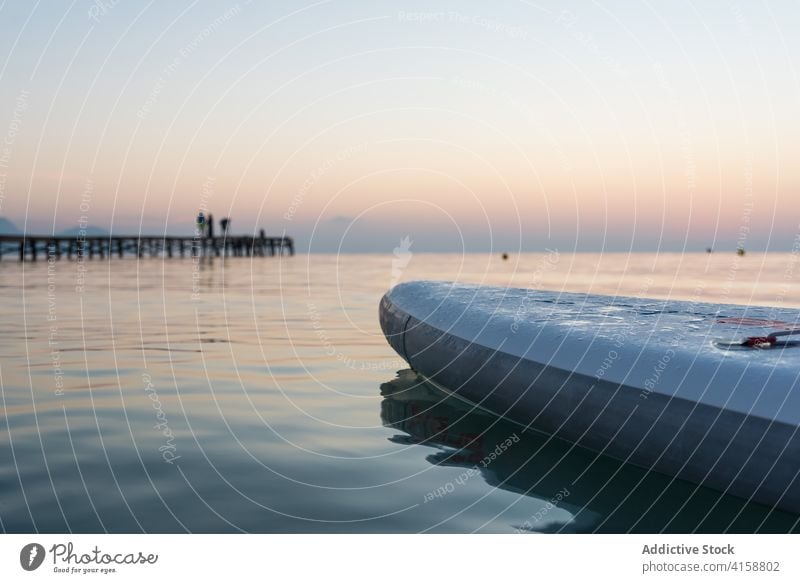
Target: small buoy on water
505 256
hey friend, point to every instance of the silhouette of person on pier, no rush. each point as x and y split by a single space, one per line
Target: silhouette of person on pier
210 226
224 224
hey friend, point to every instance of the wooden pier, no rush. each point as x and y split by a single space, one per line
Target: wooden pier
46 247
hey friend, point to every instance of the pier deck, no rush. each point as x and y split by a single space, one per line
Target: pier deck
33 247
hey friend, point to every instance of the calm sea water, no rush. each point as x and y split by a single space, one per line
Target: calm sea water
168 396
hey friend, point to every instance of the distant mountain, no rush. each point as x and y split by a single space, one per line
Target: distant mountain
8 228
89 231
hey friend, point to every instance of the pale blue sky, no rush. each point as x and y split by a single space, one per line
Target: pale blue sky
510 125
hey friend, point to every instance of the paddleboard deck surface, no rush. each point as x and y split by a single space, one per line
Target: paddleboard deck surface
674 386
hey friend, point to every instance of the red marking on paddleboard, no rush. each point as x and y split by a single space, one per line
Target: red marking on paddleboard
753 322
760 341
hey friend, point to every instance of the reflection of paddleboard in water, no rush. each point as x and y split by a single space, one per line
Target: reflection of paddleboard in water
596 492
708 393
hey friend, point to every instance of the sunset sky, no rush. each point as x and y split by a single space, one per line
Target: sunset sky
463 125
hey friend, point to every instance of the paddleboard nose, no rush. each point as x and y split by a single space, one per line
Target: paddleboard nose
393 323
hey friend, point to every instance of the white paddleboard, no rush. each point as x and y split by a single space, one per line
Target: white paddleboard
705 392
